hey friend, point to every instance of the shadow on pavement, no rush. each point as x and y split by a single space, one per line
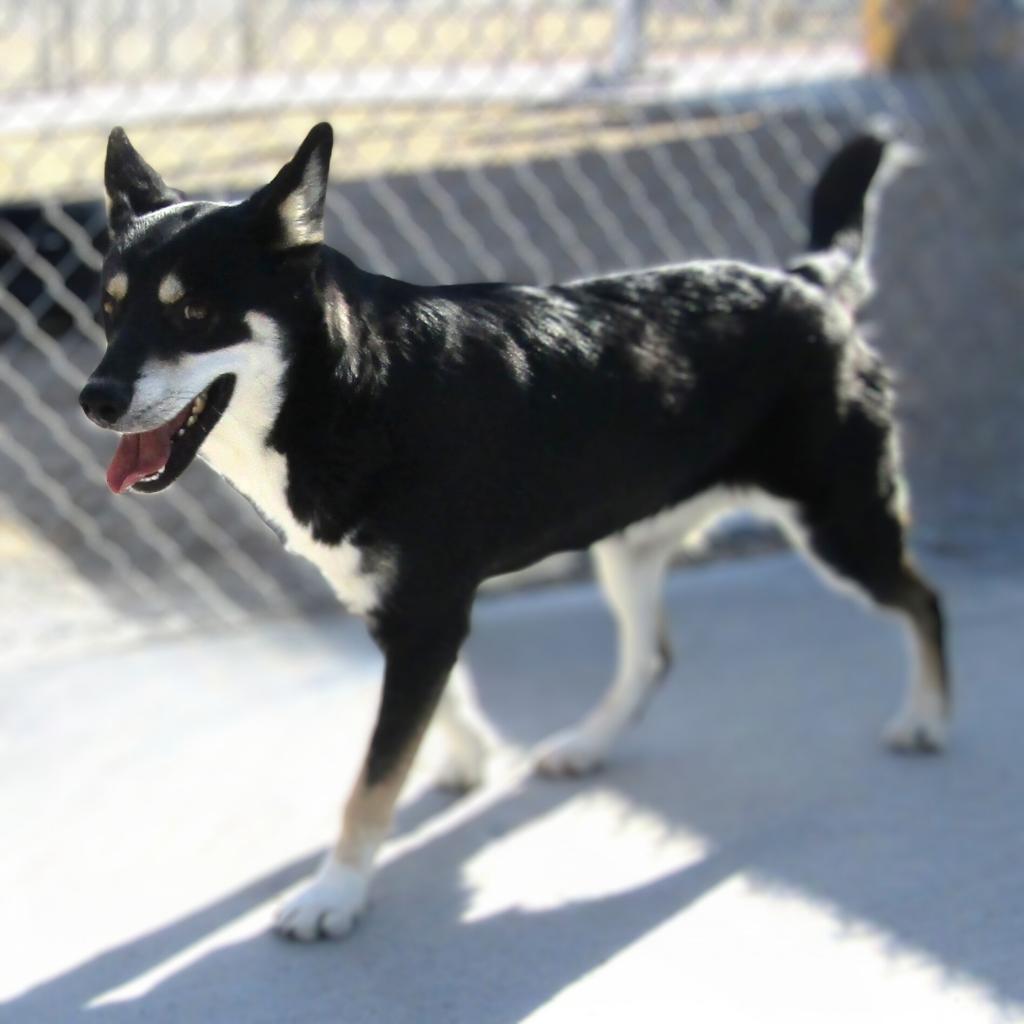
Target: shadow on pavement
521 959
771 764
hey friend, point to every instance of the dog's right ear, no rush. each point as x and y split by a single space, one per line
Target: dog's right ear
133 187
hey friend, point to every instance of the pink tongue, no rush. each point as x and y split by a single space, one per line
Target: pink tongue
140 455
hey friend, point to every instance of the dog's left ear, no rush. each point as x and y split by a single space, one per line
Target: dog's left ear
133 187
289 212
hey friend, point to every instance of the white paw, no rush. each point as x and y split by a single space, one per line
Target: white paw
326 908
916 731
464 755
457 773
462 759
573 752
459 770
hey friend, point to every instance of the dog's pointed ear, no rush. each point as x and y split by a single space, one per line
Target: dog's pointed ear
133 187
289 212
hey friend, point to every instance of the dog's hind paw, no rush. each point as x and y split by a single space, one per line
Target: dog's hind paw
570 753
911 732
326 908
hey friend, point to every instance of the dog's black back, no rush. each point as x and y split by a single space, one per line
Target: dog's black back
492 424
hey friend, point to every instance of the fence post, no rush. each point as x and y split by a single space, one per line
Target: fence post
248 25
42 13
628 39
67 30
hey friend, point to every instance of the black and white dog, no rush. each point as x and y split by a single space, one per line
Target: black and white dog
414 441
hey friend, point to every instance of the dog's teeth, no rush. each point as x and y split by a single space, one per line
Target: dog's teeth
199 404
180 432
191 421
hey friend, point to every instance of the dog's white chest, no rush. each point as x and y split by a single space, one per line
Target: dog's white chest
262 476
342 567
237 449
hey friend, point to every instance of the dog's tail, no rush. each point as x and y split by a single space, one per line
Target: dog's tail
842 214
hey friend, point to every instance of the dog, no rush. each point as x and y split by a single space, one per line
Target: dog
414 441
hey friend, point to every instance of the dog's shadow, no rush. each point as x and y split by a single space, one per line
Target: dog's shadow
490 970
786 789
422 956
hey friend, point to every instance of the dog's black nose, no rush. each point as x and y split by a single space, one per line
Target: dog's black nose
105 401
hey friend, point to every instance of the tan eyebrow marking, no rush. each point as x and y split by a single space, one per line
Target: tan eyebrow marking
117 286
171 289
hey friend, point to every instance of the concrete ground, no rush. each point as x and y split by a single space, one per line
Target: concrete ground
750 855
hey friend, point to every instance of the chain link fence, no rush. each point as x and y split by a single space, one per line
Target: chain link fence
531 140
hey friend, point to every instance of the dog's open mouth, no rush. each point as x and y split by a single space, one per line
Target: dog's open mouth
152 460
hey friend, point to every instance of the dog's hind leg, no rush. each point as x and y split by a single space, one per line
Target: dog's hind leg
468 740
631 575
923 720
863 543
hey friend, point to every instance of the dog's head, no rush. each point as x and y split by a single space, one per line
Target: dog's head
191 294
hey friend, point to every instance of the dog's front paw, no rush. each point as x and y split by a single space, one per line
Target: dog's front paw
573 752
463 761
326 908
914 731
456 774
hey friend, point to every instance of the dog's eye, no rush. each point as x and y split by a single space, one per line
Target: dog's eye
195 311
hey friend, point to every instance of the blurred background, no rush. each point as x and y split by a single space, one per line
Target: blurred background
531 140
749 855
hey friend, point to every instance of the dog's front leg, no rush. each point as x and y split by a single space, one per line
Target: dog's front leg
468 741
419 654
